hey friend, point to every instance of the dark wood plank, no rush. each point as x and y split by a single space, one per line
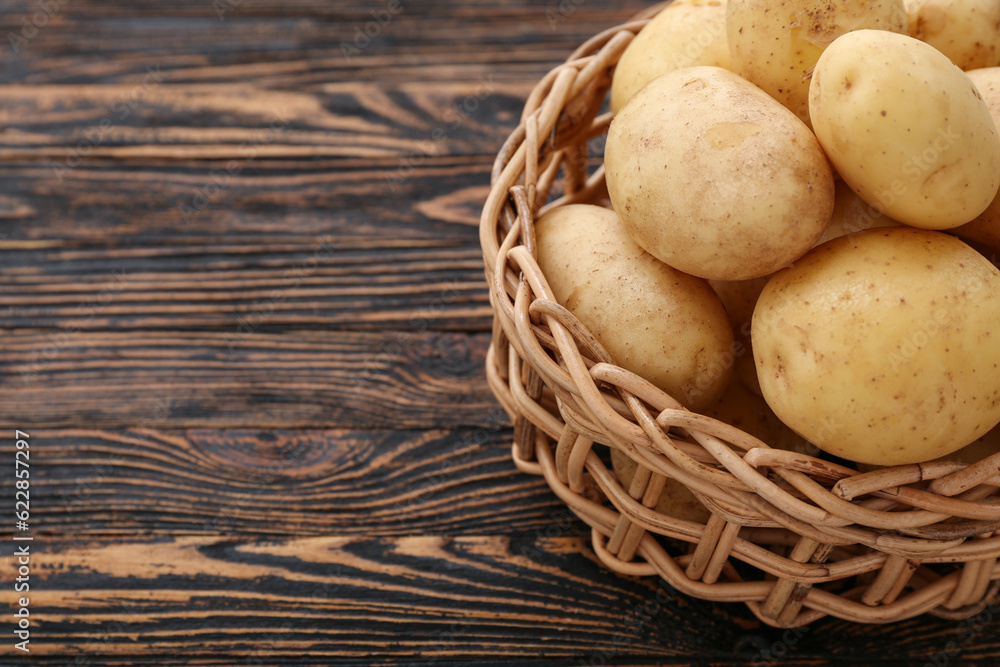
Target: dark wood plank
160 119
146 481
471 600
109 202
286 244
278 45
328 284
417 661
254 379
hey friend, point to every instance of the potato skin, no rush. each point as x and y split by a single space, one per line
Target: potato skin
986 227
663 325
684 34
967 31
881 347
905 128
776 43
715 178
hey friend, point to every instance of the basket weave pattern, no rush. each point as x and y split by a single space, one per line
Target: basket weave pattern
818 538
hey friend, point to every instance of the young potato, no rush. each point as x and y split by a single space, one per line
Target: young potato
675 500
905 128
715 178
967 31
881 347
663 325
776 43
685 33
986 227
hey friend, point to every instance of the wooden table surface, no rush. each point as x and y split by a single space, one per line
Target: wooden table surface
244 327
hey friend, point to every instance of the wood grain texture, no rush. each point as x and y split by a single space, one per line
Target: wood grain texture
159 119
295 379
266 200
516 598
261 430
300 44
289 244
284 482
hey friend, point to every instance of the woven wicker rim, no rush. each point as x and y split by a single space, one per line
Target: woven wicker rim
876 547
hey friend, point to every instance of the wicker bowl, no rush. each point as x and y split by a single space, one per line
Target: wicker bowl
794 537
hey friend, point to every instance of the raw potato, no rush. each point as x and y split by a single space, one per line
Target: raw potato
967 31
906 129
675 500
986 227
715 178
685 33
776 43
882 347
655 321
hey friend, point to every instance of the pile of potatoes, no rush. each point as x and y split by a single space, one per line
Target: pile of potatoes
803 212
